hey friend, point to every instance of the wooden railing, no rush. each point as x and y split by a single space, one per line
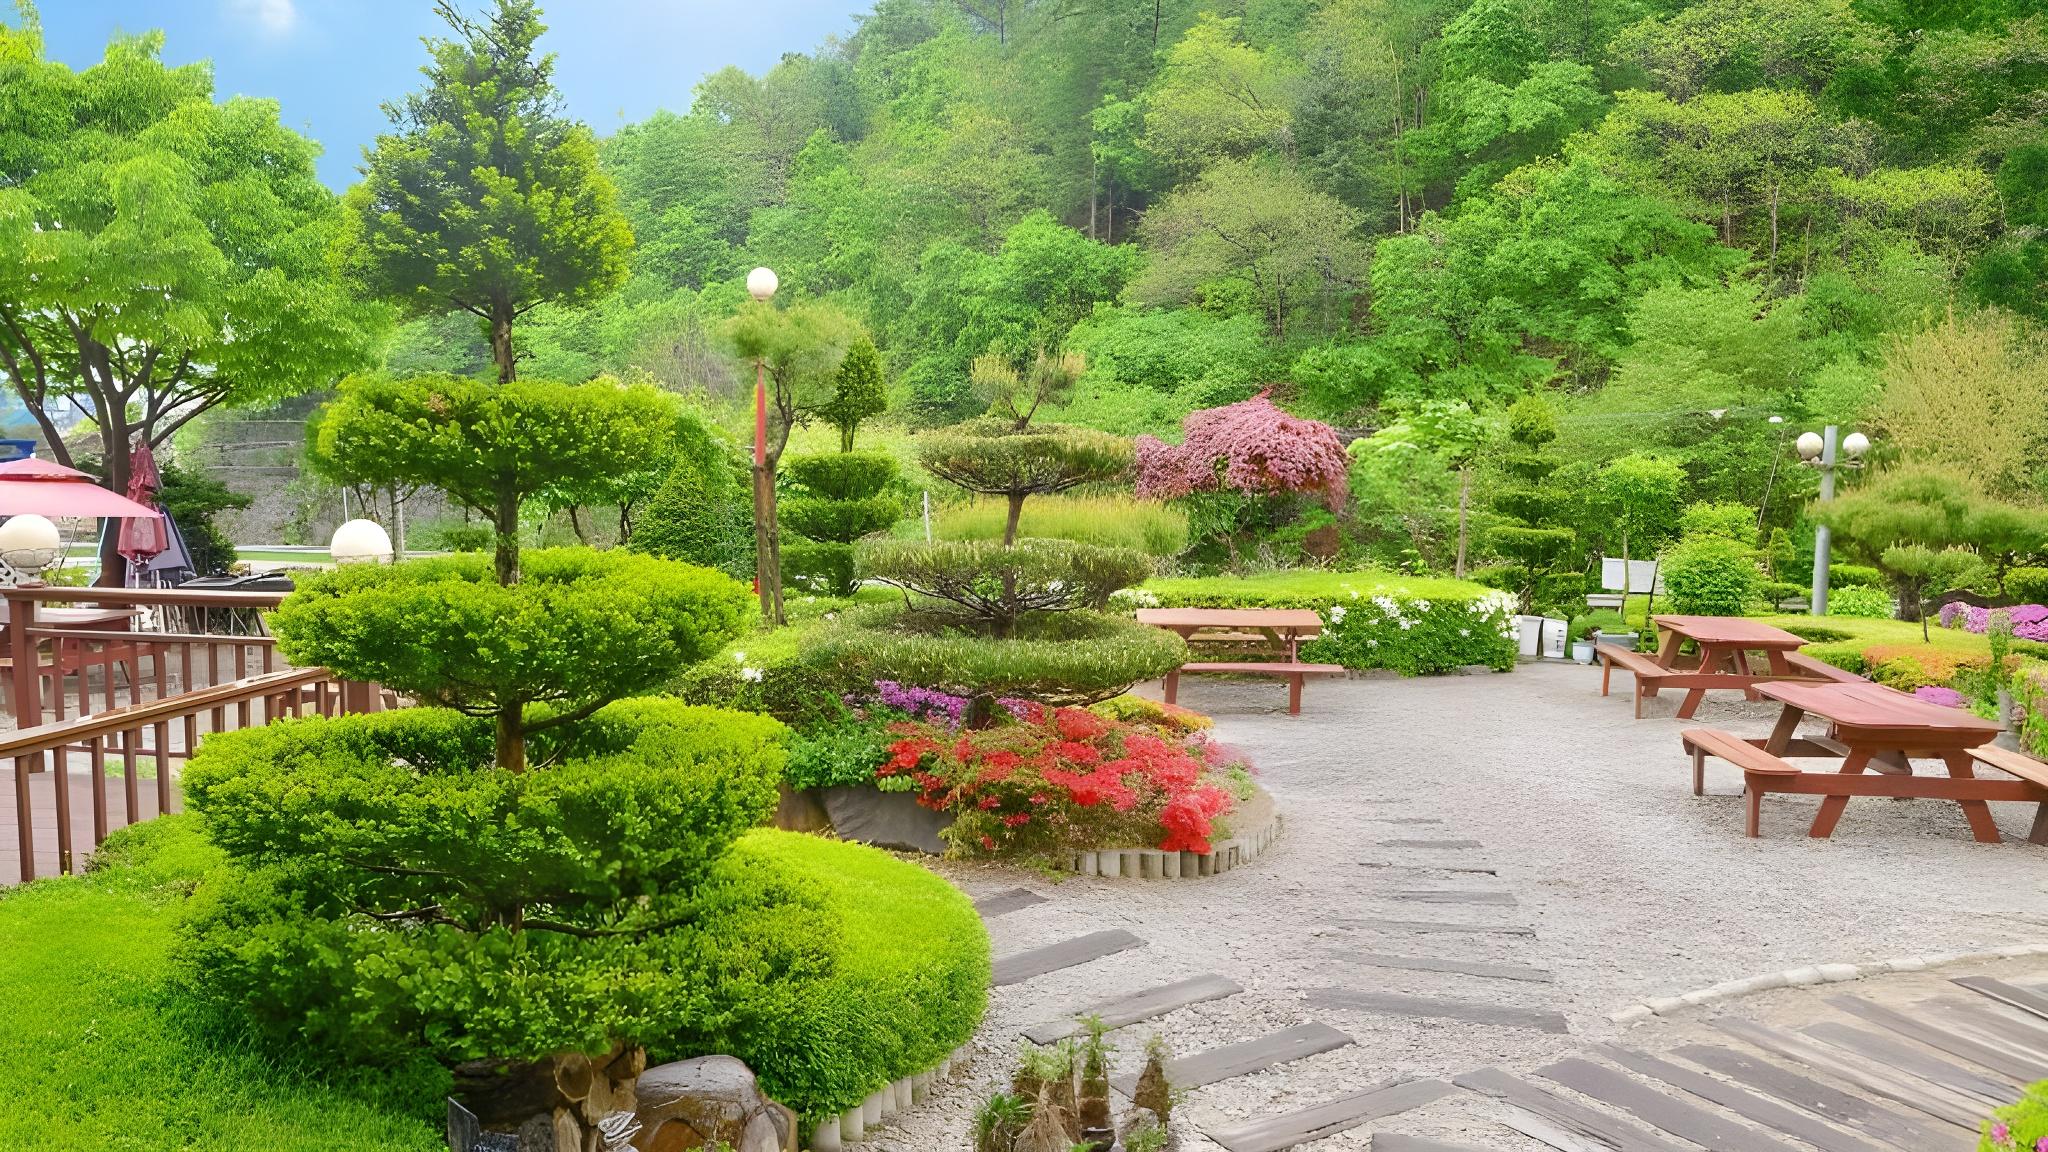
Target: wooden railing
89 692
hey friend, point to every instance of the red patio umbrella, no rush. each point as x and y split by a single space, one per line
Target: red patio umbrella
143 537
37 486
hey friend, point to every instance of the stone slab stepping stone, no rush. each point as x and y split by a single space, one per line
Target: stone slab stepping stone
1395 1142
1911 1091
1454 896
1127 1010
1423 1007
1435 964
1851 1111
1021 966
2026 1033
2002 1060
1010 901
1342 1114
1741 1101
1573 1117
2024 999
1430 844
1201 1068
1459 868
1406 820
1433 926
1912 1061
1668 1113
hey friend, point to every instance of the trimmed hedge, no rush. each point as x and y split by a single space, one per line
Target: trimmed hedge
1413 625
1074 657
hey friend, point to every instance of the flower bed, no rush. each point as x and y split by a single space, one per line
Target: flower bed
1414 626
2029 621
1040 782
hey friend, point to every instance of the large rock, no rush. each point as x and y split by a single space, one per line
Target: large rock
691 1103
867 815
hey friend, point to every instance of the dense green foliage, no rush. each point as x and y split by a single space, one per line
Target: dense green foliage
1067 657
543 910
700 515
994 586
1710 575
1860 601
1370 619
580 629
107 1054
841 497
1158 530
484 198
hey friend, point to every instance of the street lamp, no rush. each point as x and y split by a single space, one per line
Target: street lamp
1817 450
761 284
30 544
360 542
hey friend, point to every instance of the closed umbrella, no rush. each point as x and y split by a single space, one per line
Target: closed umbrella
50 489
143 537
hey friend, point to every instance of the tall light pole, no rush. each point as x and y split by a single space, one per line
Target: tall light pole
1817 450
761 285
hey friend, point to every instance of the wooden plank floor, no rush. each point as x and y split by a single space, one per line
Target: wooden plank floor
43 807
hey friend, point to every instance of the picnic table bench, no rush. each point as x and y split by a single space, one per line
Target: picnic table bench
1871 727
1281 629
1722 660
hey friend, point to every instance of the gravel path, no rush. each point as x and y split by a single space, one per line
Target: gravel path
1633 887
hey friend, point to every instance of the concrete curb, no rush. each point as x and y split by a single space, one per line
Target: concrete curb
835 1133
1813 974
1154 864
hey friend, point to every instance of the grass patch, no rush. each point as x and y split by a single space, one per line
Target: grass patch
1158 530
1302 587
102 1055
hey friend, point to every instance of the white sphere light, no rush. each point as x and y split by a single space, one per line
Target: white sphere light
360 541
1809 445
761 283
29 533
1856 444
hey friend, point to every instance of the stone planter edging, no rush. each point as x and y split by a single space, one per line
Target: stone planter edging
834 1133
1814 974
1157 864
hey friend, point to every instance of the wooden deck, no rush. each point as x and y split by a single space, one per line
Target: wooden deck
42 788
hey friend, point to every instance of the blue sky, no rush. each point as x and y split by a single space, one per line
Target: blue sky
331 63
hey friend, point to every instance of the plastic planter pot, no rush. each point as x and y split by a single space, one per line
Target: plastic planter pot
1554 631
1582 651
1625 640
1529 634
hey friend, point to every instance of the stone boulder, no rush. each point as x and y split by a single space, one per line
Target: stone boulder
692 1103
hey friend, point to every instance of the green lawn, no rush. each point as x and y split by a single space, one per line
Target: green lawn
99 1055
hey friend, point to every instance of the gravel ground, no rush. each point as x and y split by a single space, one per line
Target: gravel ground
1634 888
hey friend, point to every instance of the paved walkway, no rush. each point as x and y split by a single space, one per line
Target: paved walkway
1478 871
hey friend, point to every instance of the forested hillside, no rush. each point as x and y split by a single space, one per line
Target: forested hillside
1677 217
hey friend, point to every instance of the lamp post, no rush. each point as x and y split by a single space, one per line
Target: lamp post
761 285
1817 450
30 544
360 542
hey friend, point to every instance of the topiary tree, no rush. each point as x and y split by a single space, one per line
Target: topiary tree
992 457
699 515
1639 495
1921 572
859 393
997 585
1708 575
1536 554
841 498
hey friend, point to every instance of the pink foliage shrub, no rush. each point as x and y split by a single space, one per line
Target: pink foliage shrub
1251 446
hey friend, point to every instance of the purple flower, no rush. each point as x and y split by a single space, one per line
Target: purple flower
1936 694
2000 1132
921 703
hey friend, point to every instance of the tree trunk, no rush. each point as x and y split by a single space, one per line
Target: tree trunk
1464 503
1094 186
774 581
576 524
114 429
398 500
501 339
1016 514
506 521
511 736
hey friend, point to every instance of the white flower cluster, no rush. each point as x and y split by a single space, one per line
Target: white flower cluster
1134 598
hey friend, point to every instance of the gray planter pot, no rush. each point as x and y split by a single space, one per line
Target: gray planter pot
885 819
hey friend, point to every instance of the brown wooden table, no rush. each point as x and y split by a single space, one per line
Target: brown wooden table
1284 628
1723 645
1874 727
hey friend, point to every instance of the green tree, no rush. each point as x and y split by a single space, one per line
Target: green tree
858 392
485 198
1215 96
160 253
1454 433
1640 495
1921 572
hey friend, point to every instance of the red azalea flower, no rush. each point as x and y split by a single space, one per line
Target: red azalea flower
1016 819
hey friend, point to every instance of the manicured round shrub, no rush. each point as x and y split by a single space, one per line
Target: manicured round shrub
1072 657
983 580
842 475
1854 576
838 521
385 893
780 673
1860 601
1710 576
2027 585
1156 529
581 627
991 457
1727 520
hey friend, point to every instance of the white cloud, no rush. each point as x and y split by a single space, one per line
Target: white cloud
270 17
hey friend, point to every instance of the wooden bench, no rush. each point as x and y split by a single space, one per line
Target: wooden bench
1644 668
1814 669
1763 772
1294 674
2026 768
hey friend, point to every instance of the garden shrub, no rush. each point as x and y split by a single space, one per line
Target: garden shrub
835 755
840 498
843 475
1710 576
779 673
1157 713
994 585
1157 530
1729 521
1861 601
701 514
1855 576
1775 592
1415 626
2027 585
1590 624
1072 657
543 910
2021 1126
2030 700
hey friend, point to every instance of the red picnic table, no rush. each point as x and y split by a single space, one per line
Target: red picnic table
1282 628
1721 659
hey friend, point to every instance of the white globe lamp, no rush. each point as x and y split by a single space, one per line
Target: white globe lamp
1809 445
29 544
360 542
1856 444
761 284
